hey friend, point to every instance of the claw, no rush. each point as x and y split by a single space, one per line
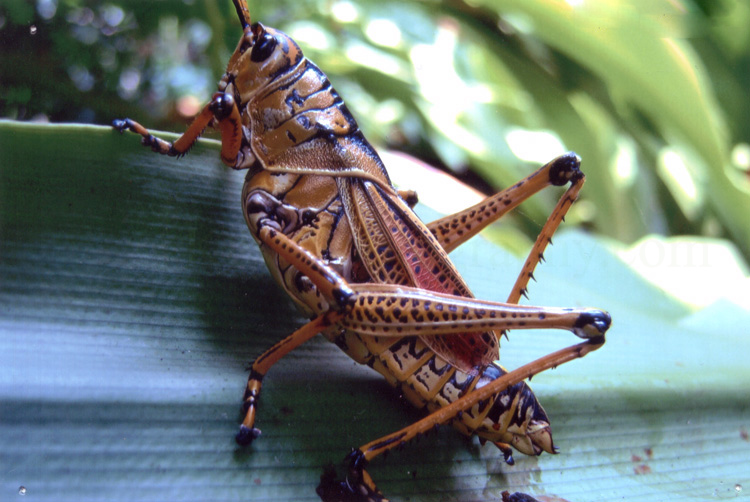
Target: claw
119 125
517 497
246 435
507 452
357 487
330 489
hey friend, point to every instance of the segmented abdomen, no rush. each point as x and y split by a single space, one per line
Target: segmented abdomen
512 416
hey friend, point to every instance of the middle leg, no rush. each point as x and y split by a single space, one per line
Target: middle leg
248 432
453 230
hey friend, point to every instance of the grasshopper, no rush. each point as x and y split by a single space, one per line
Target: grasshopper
374 279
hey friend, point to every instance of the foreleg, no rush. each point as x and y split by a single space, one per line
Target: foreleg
221 108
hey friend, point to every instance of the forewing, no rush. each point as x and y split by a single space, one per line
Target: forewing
397 248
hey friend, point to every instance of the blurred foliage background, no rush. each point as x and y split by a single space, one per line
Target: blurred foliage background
651 93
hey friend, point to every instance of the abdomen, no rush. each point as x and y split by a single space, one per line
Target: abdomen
512 416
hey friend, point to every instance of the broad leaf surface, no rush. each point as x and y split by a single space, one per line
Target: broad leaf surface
133 298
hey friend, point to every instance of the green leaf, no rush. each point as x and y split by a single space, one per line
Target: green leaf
639 51
133 297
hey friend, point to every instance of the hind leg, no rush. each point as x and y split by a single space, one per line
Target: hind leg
359 485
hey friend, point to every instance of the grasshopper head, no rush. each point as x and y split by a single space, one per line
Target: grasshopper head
262 56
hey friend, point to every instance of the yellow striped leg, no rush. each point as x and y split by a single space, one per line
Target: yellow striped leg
359 484
388 310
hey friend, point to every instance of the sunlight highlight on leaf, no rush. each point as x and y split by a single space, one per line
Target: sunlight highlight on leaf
384 32
625 165
697 271
310 34
345 12
681 181
534 146
370 57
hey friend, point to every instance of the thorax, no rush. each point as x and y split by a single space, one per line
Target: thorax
308 210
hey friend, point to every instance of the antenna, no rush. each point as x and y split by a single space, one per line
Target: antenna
242 12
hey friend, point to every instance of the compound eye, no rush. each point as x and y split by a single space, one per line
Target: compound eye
263 47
